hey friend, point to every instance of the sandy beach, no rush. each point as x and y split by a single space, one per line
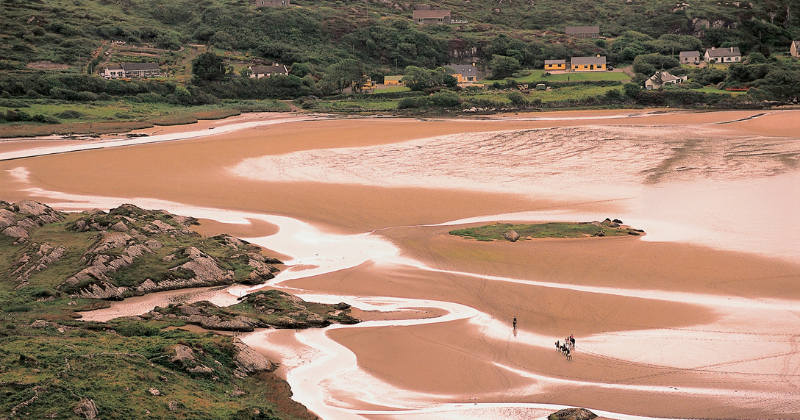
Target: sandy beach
696 319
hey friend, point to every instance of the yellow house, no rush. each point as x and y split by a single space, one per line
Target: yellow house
555 64
393 80
588 64
465 75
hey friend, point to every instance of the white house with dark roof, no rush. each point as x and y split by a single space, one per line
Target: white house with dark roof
432 17
723 55
794 49
690 57
118 70
267 71
583 31
666 79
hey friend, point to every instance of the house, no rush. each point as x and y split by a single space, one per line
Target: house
588 63
393 80
583 31
466 75
690 57
267 71
795 49
116 71
432 17
555 64
723 55
269 3
666 79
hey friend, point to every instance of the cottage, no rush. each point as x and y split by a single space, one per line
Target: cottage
465 75
269 3
116 71
666 79
432 17
555 64
795 49
588 63
690 57
267 71
723 55
393 80
583 31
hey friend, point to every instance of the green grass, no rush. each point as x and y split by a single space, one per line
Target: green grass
392 89
712 89
536 76
495 231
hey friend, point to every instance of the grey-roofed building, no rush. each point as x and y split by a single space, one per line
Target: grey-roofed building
723 55
555 64
465 74
690 57
583 31
432 17
666 79
794 49
588 63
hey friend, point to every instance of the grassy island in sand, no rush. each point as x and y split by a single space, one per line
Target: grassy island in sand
55 265
497 231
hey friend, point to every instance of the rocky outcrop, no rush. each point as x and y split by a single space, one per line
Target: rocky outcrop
86 408
572 414
249 361
18 220
183 354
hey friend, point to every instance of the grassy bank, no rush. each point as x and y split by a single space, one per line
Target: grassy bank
495 231
103 117
53 365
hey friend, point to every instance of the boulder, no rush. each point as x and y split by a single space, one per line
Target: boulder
32 207
341 306
39 323
572 414
249 361
154 391
86 408
201 369
183 354
17 232
511 236
173 406
120 226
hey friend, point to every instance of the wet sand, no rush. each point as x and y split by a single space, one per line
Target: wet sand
729 352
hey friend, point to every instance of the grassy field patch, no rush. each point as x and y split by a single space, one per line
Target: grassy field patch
495 231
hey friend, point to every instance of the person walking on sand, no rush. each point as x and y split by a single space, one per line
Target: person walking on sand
514 323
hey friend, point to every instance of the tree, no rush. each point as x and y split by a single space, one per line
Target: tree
503 67
632 89
345 73
245 72
417 78
208 67
300 69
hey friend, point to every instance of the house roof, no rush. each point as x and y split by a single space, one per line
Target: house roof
665 77
582 30
431 14
587 60
796 44
724 52
273 69
465 70
690 54
555 61
139 66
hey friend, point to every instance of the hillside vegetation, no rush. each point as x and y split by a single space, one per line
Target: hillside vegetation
53 365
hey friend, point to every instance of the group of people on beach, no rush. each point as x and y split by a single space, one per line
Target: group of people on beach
567 347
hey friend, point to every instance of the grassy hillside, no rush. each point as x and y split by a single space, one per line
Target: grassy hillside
53 265
380 32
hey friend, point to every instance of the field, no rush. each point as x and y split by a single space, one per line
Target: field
537 76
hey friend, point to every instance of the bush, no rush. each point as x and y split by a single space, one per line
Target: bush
444 99
517 99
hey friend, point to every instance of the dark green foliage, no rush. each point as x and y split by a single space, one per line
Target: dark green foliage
503 67
648 64
208 67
